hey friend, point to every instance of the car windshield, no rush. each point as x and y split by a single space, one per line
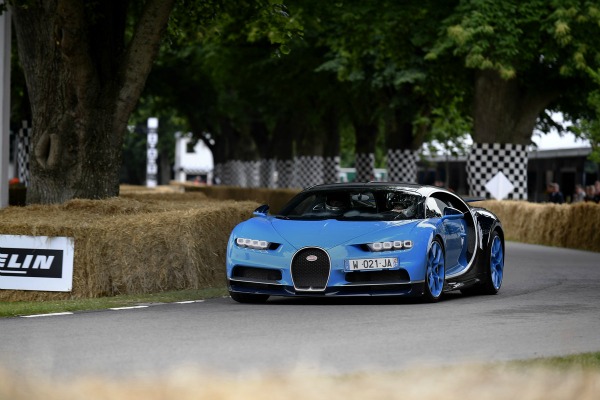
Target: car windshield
352 205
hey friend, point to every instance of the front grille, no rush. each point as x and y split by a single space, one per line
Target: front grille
310 275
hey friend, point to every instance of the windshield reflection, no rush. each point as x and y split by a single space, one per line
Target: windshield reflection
355 205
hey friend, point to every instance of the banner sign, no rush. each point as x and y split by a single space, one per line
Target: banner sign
36 263
152 153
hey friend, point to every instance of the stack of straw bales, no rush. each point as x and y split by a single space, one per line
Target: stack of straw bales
137 243
575 226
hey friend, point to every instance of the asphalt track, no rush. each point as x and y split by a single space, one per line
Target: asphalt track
549 305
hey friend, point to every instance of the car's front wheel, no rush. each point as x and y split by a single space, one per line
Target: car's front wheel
435 274
248 297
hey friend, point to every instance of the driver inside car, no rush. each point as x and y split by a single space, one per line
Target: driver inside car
402 205
337 202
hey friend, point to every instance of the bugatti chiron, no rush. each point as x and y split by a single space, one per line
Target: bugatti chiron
367 239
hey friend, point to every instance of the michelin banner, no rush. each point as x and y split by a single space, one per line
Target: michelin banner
36 263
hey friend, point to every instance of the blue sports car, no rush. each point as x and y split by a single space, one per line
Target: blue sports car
367 239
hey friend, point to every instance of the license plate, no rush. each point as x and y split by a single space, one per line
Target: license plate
370 264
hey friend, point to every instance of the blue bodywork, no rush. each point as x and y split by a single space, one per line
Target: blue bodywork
267 269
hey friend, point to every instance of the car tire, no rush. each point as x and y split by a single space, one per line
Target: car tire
494 272
494 269
249 297
435 272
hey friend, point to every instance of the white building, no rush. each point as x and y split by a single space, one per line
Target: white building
193 160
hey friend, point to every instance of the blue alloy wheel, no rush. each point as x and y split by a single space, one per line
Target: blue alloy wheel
436 272
496 262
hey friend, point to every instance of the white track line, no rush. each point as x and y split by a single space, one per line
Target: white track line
46 315
127 308
113 309
190 302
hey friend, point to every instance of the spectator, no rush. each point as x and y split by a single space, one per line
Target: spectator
554 194
589 193
597 192
579 194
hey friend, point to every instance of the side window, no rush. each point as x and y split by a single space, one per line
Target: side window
441 205
432 209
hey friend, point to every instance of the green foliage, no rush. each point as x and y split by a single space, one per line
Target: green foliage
590 128
449 129
512 36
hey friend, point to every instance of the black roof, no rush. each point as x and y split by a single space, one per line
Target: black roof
424 190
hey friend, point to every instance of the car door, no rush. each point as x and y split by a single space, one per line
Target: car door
455 234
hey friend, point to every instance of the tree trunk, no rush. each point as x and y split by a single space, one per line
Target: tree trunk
366 138
283 146
505 115
402 147
83 83
505 111
331 152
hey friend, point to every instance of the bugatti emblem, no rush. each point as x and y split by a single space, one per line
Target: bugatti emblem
311 258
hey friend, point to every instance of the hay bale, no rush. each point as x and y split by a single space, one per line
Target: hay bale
574 226
135 243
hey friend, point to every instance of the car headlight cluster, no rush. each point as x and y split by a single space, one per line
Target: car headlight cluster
252 243
395 245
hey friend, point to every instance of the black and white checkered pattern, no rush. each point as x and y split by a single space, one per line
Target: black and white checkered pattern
218 174
267 173
365 167
402 165
23 147
309 171
487 159
285 173
252 173
331 169
233 174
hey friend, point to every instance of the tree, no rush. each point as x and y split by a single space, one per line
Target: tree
86 63
238 83
378 48
525 57
84 77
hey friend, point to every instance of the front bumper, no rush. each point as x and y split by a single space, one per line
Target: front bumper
350 289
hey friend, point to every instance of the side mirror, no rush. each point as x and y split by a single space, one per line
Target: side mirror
452 213
261 211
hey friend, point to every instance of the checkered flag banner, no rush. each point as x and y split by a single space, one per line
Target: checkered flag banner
402 165
218 174
23 147
252 172
234 173
285 173
487 159
331 169
309 171
267 173
365 167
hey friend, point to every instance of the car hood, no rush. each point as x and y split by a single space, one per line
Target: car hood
330 233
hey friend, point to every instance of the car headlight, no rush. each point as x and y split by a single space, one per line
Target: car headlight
386 246
252 243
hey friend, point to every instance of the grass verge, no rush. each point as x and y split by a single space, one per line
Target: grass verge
13 309
583 360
